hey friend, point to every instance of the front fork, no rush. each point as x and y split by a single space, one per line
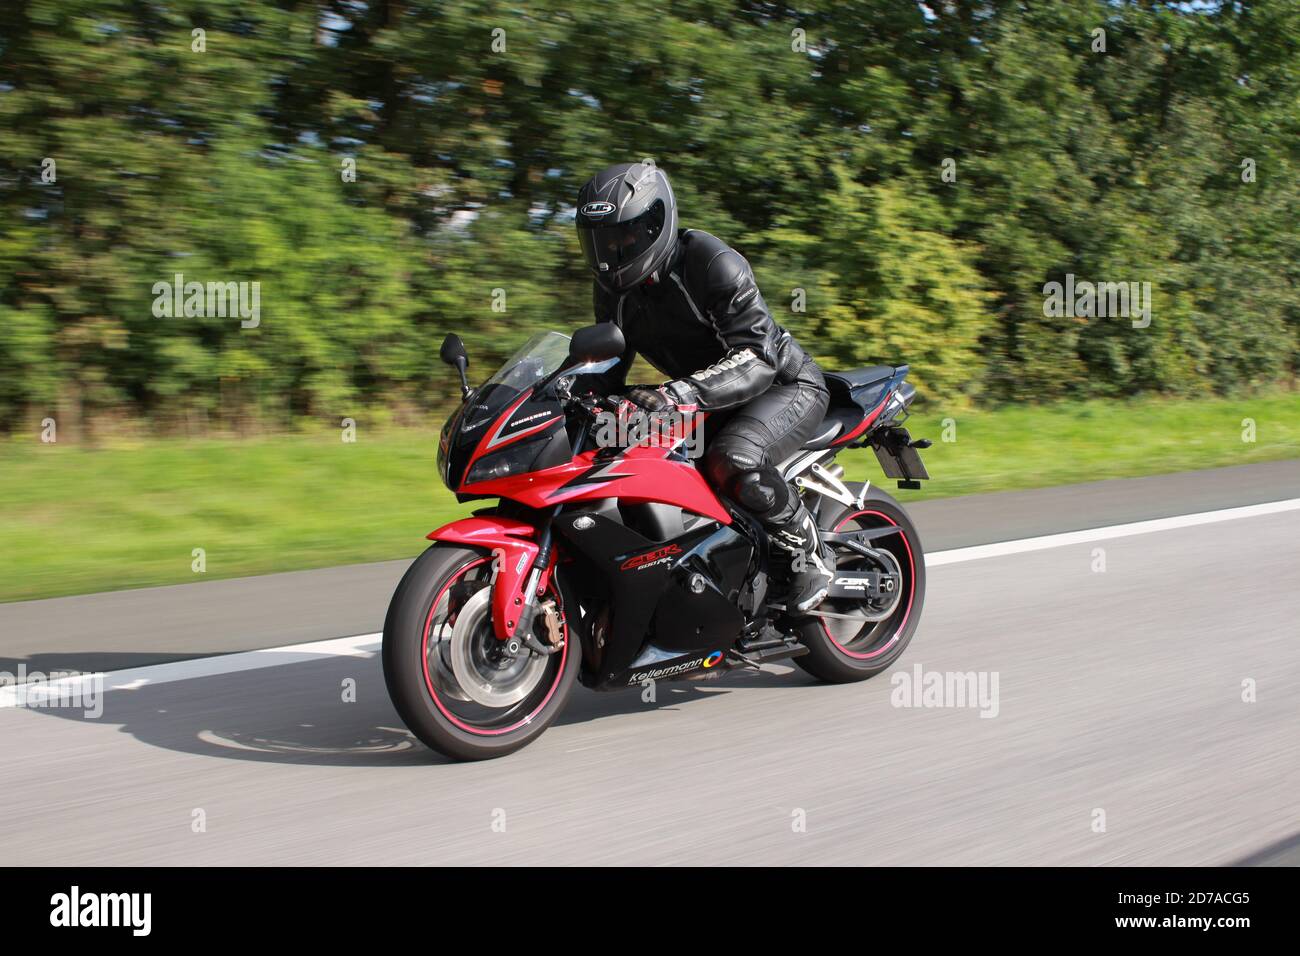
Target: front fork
542 564
518 574
529 602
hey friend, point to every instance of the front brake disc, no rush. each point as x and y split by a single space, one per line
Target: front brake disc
480 672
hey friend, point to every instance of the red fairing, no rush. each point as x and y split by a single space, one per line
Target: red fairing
638 474
515 545
864 424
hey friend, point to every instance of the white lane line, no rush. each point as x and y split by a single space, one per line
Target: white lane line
1003 548
362 645
366 645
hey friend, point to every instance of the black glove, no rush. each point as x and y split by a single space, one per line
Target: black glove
658 398
652 398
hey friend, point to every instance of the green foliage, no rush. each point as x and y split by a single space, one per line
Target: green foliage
812 137
75 519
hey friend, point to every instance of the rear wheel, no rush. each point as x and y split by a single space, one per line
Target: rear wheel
855 647
449 676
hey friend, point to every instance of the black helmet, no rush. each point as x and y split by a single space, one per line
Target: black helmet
627 224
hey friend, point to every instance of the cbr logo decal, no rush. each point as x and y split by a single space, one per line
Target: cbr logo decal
598 209
650 557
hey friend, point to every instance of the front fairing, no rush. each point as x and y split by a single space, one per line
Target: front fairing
507 428
501 432
502 414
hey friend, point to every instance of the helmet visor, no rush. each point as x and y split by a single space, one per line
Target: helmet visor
609 248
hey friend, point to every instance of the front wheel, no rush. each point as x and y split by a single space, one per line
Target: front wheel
859 643
449 677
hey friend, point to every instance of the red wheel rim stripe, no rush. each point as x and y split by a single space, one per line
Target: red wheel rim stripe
911 592
428 681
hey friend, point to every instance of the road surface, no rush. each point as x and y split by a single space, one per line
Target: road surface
1147 713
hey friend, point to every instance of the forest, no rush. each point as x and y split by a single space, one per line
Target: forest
912 182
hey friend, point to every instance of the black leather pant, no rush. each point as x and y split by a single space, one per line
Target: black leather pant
741 455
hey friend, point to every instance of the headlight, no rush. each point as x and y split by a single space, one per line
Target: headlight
493 467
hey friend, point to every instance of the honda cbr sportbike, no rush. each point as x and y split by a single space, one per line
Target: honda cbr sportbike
614 566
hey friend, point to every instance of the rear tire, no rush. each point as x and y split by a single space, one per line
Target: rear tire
419 612
835 652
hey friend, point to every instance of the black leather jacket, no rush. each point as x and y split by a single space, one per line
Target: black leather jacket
705 324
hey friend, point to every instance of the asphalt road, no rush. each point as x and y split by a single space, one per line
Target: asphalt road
123 629
1118 735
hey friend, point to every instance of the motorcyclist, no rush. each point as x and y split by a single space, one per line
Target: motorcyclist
689 304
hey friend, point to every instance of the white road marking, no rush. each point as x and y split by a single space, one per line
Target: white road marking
362 645
367 645
1003 548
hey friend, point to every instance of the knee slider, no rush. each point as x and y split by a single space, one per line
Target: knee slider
728 458
754 493
780 499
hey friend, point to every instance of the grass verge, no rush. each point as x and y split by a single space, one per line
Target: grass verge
75 519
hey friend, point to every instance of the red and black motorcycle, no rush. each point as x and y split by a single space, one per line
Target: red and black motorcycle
617 564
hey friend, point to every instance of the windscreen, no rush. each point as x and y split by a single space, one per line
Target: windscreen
541 355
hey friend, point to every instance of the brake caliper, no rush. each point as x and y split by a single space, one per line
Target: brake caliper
551 617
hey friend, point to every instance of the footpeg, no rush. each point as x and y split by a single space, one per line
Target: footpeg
767 647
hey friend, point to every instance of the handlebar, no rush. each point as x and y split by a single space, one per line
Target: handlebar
594 404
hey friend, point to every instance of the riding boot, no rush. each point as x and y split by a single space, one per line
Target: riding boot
812 563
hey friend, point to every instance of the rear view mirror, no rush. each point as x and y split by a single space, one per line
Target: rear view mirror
454 354
453 350
593 348
597 343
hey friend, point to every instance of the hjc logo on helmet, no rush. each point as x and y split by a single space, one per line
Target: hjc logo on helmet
596 209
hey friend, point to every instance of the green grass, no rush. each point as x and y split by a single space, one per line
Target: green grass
74 519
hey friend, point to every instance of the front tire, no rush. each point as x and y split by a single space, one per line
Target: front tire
842 651
421 673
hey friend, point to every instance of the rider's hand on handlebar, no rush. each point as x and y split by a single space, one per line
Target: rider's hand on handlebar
665 397
670 396
652 398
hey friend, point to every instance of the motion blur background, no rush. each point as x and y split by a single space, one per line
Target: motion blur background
390 171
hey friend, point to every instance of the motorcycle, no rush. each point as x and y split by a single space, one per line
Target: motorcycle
615 564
